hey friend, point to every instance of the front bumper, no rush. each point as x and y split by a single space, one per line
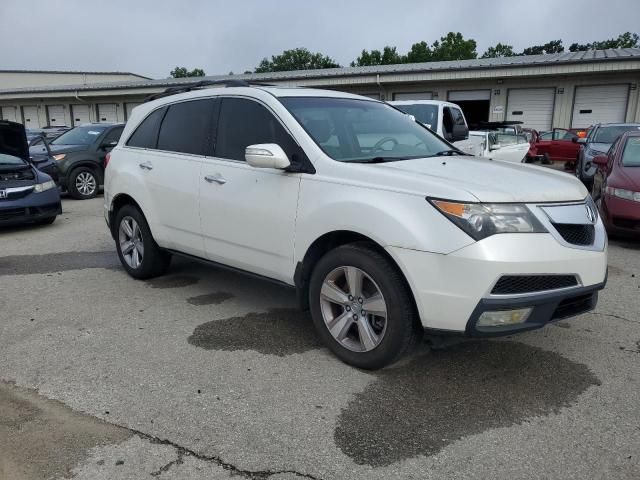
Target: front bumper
621 215
32 208
451 291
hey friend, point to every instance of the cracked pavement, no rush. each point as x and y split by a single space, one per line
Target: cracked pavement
207 374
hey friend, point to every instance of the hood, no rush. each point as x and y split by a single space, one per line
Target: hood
486 180
13 140
66 148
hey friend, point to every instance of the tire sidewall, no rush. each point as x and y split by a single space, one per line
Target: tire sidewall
143 271
398 302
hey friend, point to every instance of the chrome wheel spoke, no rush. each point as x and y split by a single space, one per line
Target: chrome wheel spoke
354 280
340 326
332 293
125 226
368 337
127 248
131 242
375 305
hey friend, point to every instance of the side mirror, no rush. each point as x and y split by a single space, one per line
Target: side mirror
495 146
580 140
459 132
601 160
108 145
266 155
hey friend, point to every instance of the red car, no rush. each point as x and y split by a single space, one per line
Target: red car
559 146
616 185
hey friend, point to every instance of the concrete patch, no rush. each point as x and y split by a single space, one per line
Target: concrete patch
215 298
42 439
436 399
57 262
281 332
172 281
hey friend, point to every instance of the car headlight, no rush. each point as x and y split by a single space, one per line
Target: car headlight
622 193
481 220
594 153
60 156
43 187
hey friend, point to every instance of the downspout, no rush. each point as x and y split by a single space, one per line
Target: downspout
383 95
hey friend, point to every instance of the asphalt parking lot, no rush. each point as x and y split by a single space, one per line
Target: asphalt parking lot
206 374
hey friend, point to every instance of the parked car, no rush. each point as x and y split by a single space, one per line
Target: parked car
598 142
47 132
27 195
616 185
558 146
81 153
382 227
502 146
444 118
42 158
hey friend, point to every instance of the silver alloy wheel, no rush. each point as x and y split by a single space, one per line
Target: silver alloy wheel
86 183
353 308
131 243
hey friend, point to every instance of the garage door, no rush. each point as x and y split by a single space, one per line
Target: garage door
56 115
463 95
532 106
128 108
107 112
599 104
413 96
80 114
30 115
9 113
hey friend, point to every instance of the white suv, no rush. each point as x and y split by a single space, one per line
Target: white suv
384 228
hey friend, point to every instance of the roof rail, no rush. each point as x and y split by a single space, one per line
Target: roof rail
187 87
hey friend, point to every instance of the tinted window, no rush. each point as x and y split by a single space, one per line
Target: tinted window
245 122
631 154
186 127
146 135
427 114
113 135
609 134
359 130
85 135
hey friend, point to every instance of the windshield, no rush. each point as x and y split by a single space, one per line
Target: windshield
609 134
350 130
427 114
631 154
80 135
10 160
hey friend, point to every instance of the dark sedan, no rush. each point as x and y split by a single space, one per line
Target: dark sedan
616 185
27 195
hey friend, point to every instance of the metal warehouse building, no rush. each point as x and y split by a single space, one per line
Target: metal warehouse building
573 89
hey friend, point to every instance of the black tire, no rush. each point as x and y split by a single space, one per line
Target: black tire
546 160
403 328
155 261
47 221
73 189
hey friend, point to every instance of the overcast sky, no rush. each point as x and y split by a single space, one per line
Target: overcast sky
150 37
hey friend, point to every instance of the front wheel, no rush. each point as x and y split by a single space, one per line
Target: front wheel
83 183
362 307
139 254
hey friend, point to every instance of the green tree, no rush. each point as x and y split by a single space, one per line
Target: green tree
419 52
296 59
388 56
500 50
624 40
554 46
453 47
182 72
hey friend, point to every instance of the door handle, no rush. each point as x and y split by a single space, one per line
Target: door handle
146 166
216 178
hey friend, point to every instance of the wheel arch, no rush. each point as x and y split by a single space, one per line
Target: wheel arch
117 203
97 170
327 242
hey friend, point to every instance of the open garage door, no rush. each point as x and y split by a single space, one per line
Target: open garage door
107 112
413 96
474 104
30 115
80 114
55 115
9 113
128 108
532 106
599 104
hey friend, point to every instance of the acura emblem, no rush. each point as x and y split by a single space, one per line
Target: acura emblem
591 215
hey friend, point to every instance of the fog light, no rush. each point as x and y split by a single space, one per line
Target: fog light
504 317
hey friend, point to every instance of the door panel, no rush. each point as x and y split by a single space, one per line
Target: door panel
562 148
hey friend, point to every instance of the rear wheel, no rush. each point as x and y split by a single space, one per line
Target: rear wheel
362 307
139 254
83 183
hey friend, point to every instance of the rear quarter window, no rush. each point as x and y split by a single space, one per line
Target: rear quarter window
146 135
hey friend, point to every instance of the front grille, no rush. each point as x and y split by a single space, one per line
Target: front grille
10 213
517 284
576 234
575 306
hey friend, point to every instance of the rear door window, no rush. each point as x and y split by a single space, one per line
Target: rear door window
187 127
146 135
113 135
244 122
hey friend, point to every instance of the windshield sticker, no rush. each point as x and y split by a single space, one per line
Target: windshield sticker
93 132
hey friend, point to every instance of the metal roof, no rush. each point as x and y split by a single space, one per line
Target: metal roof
71 72
565 58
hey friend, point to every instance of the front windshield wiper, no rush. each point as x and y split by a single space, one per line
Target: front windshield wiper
448 153
378 160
